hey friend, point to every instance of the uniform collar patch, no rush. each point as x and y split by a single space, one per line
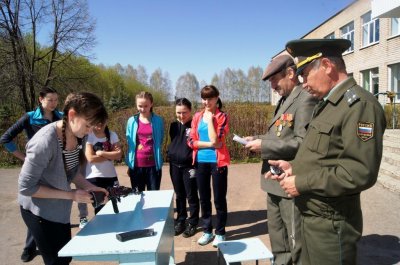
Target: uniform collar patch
365 130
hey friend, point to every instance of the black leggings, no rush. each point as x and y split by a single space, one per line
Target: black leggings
50 237
219 175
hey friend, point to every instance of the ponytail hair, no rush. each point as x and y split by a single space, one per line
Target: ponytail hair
43 93
183 102
107 133
210 91
46 90
87 105
146 95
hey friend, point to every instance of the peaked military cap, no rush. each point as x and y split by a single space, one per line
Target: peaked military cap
308 50
276 65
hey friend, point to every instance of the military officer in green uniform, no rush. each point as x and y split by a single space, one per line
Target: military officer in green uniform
339 157
282 140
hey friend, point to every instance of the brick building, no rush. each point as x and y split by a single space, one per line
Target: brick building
374 57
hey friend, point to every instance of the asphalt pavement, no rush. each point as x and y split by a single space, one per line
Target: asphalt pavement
247 217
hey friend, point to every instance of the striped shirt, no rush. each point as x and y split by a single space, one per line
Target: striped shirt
71 157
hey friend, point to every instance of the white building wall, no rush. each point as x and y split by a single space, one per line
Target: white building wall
380 55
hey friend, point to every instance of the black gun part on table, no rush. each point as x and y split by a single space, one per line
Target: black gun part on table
114 195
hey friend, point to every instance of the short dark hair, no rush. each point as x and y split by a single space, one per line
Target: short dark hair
338 61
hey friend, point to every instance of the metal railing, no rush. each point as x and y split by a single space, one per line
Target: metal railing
392 98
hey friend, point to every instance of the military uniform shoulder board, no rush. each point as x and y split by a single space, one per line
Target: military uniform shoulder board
351 96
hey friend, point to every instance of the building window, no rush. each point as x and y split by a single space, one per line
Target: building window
394 79
370 29
394 26
347 32
370 80
330 36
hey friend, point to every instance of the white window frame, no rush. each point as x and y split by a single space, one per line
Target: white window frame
347 32
370 30
394 79
372 73
394 26
330 36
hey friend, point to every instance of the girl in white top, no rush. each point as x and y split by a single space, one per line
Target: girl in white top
102 148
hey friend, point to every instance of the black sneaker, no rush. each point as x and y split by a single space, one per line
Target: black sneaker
179 228
28 255
190 230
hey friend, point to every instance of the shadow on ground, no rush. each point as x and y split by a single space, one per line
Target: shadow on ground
203 257
247 223
379 249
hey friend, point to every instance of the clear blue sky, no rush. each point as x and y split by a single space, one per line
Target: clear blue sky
202 37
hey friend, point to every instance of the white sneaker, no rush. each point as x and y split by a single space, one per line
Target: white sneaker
205 239
218 239
82 222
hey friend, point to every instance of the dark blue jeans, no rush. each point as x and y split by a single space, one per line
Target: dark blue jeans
219 175
50 237
185 188
144 178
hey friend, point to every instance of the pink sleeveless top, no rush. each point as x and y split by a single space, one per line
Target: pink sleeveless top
144 147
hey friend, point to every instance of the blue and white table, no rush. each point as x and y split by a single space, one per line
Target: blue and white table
97 240
237 251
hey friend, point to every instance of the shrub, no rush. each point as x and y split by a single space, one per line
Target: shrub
245 119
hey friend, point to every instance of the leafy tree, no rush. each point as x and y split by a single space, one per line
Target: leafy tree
119 100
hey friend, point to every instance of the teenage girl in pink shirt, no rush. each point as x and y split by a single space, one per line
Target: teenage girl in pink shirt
145 134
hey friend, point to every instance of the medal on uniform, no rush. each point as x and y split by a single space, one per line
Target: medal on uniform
278 128
283 120
286 119
289 118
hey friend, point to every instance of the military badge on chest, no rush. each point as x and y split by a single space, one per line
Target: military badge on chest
286 120
365 130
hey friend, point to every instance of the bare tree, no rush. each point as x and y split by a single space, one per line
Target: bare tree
71 34
161 82
187 86
141 75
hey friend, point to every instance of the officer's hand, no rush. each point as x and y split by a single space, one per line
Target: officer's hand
249 138
282 164
254 145
288 185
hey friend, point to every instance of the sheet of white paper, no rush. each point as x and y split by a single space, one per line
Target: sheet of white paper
239 139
